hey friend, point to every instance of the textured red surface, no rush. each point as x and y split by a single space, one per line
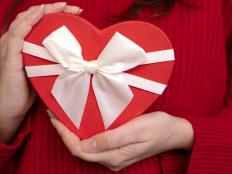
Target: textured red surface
199 90
93 41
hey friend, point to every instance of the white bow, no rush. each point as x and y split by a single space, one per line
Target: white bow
109 82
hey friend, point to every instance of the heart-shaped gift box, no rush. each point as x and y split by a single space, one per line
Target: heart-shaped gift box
139 35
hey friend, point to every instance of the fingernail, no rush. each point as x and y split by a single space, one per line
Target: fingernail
74 9
50 113
80 10
60 4
41 7
53 122
89 146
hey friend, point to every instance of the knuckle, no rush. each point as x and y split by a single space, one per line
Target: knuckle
27 20
26 24
15 31
73 152
162 114
143 136
11 28
114 162
142 132
48 8
32 7
12 32
22 14
29 9
103 141
19 15
107 141
138 133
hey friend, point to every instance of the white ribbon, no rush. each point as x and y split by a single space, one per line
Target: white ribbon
110 83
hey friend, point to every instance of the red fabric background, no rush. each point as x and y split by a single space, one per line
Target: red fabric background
199 90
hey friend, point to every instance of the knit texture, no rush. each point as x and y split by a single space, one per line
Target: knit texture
199 90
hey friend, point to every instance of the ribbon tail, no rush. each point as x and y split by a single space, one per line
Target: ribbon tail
71 91
112 95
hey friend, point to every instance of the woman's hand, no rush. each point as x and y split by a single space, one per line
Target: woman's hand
16 95
138 139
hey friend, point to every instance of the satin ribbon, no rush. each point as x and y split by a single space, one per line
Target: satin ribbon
110 82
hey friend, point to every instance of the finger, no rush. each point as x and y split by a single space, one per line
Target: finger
72 142
18 28
124 164
3 38
48 8
23 14
17 33
51 8
120 167
54 8
61 7
117 158
121 136
73 9
132 151
69 139
3 45
126 156
112 157
129 162
50 114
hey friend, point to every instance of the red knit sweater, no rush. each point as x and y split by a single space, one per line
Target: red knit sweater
200 90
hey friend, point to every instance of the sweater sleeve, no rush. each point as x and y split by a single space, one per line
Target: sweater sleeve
8 153
212 150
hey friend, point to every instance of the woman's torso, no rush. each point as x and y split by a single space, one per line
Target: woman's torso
197 86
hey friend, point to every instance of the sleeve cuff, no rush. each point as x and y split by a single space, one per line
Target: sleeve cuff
212 149
7 151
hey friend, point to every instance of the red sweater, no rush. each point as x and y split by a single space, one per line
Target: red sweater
200 90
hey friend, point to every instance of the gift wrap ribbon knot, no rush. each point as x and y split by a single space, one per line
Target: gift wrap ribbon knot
110 82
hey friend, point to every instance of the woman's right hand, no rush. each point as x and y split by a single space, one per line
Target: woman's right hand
16 95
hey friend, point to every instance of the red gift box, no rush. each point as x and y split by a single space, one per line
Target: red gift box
93 41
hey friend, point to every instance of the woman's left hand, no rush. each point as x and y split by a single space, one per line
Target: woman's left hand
138 139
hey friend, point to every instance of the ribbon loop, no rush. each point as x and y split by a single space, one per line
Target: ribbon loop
120 54
64 47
